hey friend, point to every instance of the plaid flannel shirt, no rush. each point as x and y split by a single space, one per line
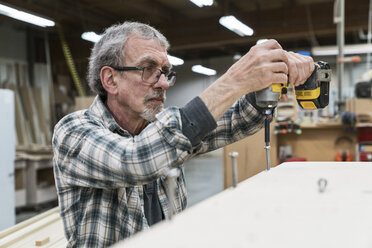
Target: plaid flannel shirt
100 168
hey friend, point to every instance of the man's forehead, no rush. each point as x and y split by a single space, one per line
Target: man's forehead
145 50
149 60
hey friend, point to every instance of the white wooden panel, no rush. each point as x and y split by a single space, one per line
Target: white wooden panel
279 208
7 157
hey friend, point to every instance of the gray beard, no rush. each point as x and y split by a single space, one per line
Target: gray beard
150 112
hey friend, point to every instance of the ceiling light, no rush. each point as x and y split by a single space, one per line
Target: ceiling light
203 70
230 22
348 49
91 36
237 56
175 61
261 41
26 17
202 3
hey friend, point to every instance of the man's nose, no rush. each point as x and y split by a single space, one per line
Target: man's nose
162 83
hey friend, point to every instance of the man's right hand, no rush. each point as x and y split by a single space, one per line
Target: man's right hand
264 64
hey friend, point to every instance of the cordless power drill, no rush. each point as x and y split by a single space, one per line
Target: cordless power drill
313 94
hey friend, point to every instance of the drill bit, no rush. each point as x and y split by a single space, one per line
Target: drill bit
267 138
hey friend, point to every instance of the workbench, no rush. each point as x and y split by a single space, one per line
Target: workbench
283 207
317 142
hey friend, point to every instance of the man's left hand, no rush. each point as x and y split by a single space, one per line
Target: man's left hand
300 68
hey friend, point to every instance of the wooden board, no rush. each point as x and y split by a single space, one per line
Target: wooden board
30 109
33 109
22 125
45 226
279 208
41 115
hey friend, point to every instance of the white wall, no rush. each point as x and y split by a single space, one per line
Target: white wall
7 155
190 84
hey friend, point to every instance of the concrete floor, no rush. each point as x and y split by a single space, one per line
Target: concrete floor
204 178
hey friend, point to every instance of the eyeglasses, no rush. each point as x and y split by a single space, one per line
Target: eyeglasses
150 75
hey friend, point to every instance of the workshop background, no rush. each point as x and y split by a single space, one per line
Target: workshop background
43 70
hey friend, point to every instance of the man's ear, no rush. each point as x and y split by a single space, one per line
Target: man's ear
107 79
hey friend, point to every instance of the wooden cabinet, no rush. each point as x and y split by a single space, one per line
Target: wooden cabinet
318 142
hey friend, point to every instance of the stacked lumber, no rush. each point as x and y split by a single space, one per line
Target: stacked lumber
32 118
43 230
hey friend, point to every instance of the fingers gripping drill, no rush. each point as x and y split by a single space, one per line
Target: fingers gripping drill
313 94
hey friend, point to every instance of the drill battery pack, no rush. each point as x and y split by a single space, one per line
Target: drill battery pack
314 93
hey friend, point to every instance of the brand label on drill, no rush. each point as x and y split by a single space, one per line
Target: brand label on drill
308 94
308 105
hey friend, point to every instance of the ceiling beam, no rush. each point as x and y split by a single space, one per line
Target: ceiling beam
277 25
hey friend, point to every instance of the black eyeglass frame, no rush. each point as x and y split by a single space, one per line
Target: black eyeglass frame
171 77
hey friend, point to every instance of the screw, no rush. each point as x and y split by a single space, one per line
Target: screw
322 183
233 156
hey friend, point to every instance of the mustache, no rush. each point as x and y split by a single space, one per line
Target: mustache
155 94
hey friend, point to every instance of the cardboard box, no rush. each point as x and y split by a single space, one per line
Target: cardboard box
362 108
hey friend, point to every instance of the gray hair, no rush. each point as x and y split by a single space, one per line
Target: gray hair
108 51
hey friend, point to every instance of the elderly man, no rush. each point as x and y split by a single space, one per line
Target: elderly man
110 160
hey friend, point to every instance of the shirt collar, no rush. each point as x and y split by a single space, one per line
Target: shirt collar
99 109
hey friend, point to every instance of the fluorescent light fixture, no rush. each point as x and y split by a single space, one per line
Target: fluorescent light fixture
91 36
202 3
237 56
203 70
174 60
25 17
230 22
261 41
348 49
